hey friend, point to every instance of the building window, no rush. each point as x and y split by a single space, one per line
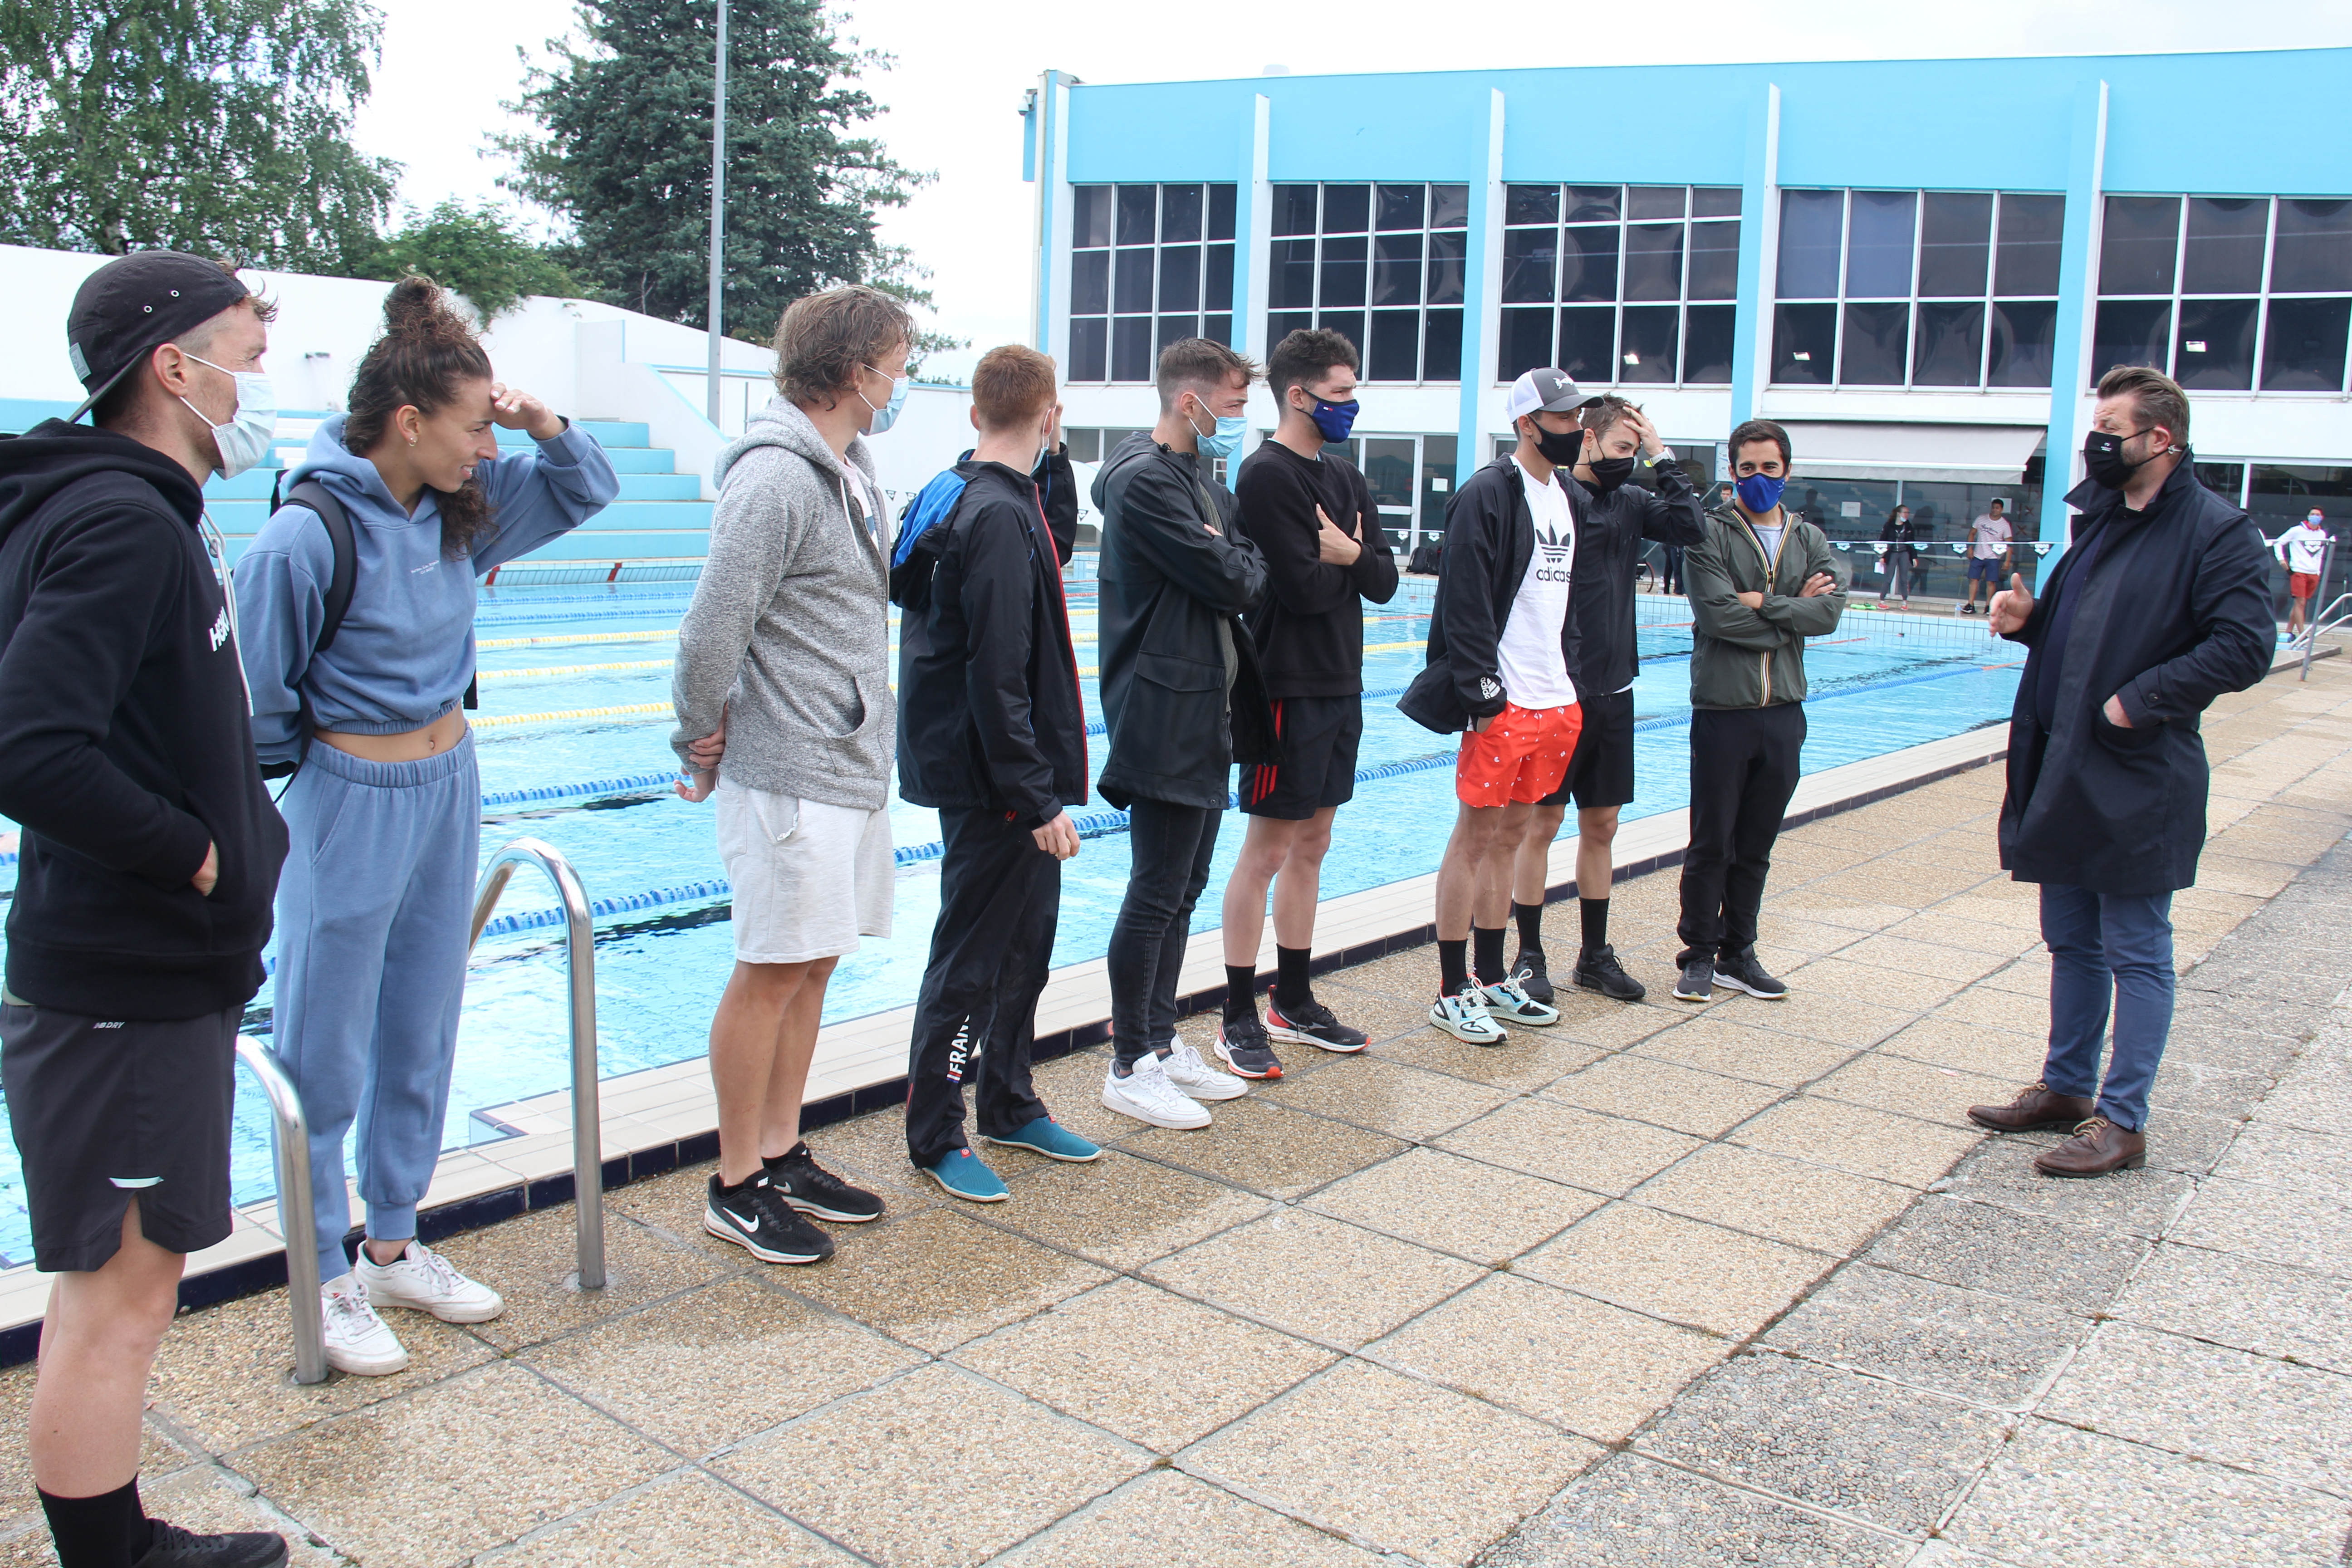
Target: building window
1382 264
1933 288
2225 293
1149 265
1619 283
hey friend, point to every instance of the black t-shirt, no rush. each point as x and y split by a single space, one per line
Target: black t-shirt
1310 627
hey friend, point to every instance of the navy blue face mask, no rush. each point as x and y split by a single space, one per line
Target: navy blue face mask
1759 493
1335 419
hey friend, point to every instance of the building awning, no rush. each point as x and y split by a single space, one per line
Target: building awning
1960 454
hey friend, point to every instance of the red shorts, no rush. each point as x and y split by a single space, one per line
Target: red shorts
1521 757
2302 585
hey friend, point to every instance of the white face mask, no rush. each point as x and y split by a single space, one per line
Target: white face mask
244 439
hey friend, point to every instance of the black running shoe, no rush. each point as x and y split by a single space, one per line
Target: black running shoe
1312 1025
1742 972
1600 971
813 1190
758 1217
1528 970
173 1547
1697 981
1241 1047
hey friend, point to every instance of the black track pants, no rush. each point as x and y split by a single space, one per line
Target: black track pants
1743 769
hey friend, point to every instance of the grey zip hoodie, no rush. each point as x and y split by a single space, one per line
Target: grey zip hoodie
790 627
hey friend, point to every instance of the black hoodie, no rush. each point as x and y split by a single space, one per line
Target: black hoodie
125 747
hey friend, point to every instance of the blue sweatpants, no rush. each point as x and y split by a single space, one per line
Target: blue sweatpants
373 910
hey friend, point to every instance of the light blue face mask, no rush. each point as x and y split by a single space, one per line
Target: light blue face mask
1226 440
252 425
886 414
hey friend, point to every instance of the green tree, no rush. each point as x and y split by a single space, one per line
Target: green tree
220 127
478 253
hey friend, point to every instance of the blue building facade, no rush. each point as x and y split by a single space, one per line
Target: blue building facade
1899 260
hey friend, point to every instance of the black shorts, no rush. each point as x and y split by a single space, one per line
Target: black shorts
1319 737
105 1110
1601 773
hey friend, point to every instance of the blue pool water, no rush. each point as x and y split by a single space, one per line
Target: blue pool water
1881 683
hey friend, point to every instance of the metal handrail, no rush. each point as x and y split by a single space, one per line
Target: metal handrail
293 1147
580 948
2311 627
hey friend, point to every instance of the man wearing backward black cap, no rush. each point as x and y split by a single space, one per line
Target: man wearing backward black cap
148 858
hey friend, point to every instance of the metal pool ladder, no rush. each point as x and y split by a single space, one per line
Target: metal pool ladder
292 1145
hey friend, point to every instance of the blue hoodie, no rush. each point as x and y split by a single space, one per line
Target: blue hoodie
405 653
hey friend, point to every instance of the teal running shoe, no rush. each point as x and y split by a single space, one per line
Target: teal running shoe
963 1174
1048 1136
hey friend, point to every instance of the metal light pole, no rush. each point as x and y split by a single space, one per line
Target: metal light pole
718 208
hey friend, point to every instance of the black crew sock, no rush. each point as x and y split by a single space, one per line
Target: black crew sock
774 1163
1487 947
1290 984
1531 921
1241 991
108 1531
1453 965
1595 914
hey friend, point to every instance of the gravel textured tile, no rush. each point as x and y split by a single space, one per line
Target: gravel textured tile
1857 1445
1561 1144
1942 961
2240 1050
1387 1097
1171 1520
1634 1513
2139 1203
2244 1301
206 1499
1515 1068
1267 1148
937 1278
1855 1138
2283 1156
1991 1007
1382 1015
1745 1051
1841 976
2190 1144
1980 1247
1677 1269
1913 1088
1121 1211
1782 1199
1613 1026
2203 1089
2003 1054
1836 1016
1317 1277
534 1263
683 1520
1443 1201
1991 1349
1702 1103
2307 1230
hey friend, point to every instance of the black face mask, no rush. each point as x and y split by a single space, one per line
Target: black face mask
1608 473
2103 459
1560 451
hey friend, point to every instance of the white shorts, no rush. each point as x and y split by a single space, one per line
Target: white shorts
809 879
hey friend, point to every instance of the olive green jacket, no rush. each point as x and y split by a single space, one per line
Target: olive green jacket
1753 658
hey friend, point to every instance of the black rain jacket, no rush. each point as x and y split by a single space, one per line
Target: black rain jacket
2175 612
1611 533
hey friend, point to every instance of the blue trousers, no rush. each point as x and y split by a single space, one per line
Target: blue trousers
371 920
2108 947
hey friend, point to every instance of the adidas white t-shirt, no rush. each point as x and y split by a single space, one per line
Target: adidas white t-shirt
1535 671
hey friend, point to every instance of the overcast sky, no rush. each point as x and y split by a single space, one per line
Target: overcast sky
960 69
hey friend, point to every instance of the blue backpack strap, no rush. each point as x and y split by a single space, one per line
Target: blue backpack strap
932 505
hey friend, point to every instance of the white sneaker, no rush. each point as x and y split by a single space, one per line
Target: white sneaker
1510 1000
1464 1017
358 1342
1191 1072
421 1280
1147 1095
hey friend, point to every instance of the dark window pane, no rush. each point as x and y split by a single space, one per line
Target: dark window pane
1089 341
1714 261
2031 229
1653 201
2227 480
1130 348
2217 345
2302 347
1133 287
1343 272
2224 253
1090 220
1653 261
1348 323
1707 333
1872 355
1137 206
1950 347
1280 324
1714 201
1347 210
2136 253
1180 214
1290 281
1812 225
1530 204
1646 350
1587 341
1589 266
2129 332
1449 206
2024 336
1592 203
1218 292
1530 264
1090 282
1173 328
1293 209
1396 269
1878 251
1441 346
1396 346
1220 328
1955 245
1399 206
1804 342
1524 344
1221 212
1445 258
1086 445
2315 247
1180 277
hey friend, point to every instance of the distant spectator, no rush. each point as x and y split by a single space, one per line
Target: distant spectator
1899 550
1990 555
2304 548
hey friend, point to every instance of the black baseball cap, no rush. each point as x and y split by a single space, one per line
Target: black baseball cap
134 305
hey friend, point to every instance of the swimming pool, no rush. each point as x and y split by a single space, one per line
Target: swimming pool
593 785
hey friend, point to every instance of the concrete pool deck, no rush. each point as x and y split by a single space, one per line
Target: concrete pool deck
1660 1285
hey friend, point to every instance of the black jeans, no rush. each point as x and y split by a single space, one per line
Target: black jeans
1170 846
1743 768
1000 897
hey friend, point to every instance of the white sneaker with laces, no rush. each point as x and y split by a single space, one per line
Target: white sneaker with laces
1510 1000
1193 1074
1147 1095
424 1281
1464 1015
358 1342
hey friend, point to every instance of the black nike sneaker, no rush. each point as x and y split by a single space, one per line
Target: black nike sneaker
1600 971
813 1190
1312 1023
758 1217
1743 972
1534 978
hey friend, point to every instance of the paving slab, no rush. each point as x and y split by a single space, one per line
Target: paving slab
1980 1247
1994 1349
1636 1513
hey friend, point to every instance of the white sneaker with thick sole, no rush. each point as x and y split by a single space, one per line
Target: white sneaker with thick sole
1148 1095
421 1280
1464 1017
1510 1000
1191 1073
358 1342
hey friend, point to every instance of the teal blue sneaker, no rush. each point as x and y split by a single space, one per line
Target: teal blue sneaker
1048 1136
963 1174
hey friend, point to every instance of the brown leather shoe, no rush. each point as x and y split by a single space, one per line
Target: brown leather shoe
2035 1109
2097 1148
